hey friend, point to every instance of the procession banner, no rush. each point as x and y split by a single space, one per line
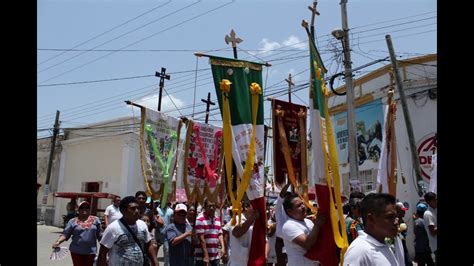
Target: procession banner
158 144
325 168
238 86
203 157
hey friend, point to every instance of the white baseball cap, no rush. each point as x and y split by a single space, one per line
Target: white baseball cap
180 207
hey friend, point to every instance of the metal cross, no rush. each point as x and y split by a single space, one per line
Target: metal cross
162 77
288 80
233 40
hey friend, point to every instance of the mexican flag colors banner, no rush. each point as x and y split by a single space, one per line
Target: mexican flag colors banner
239 91
324 172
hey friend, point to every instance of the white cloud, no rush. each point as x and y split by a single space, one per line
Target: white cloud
291 42
167 106
267 46
294 42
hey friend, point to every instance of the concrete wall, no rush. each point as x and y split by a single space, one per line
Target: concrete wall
112 160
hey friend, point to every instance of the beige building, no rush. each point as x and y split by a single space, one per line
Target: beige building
101 157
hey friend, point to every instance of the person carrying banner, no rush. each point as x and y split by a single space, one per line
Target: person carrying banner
299 233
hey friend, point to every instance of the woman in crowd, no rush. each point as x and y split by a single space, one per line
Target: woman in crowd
85 230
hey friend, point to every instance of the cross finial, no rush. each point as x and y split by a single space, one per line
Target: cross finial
162 77
314 12
232 39
290 83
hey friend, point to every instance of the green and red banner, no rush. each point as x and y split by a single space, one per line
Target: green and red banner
238 86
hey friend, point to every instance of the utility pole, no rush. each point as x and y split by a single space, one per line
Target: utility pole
406 115
288 80
351 122
232 39
50 164
208 104
162 77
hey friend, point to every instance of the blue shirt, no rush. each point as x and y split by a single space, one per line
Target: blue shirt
181 254
84 236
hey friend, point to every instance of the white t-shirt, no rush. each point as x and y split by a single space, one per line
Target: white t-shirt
113 213
368 251
430 218
280 216
290 230
123 250
239 247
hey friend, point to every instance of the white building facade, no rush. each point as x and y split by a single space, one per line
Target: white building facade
103 157
419 77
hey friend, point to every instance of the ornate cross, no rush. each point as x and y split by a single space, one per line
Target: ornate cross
233 40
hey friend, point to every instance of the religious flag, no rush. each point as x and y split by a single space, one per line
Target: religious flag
239 92
387 174
325 168
201 166
158 141
289 135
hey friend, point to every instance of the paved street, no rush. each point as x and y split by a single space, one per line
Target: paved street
46 236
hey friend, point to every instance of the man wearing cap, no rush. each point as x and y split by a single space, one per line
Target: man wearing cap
422 244
178 235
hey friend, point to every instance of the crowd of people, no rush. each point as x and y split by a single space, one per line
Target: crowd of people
136 227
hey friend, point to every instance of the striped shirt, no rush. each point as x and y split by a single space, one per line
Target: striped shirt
211 231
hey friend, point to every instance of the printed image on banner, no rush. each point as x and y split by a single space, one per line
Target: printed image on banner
369 124
292 130
203 157
159 147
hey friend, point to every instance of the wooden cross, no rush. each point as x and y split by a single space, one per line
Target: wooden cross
233 40
162 77
314 12
208 104
288 80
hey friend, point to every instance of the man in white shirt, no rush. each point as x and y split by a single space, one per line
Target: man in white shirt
299 233
430 220
127 240
378 244
112 212
241 235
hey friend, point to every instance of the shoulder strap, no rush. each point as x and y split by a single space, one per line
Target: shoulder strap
133 235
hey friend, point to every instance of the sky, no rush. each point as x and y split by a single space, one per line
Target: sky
92 55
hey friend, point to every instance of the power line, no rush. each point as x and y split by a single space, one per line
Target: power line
105 32
152 35
187 88
122 35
